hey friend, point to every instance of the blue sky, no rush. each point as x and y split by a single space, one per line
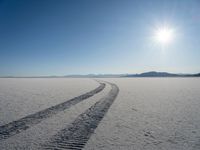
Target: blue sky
60 37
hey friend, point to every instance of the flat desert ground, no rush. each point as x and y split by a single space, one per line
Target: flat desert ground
100 114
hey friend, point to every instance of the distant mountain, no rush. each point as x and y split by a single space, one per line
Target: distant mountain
161 74
145 74
95 76
196 75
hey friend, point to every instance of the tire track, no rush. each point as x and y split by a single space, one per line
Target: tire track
22 124
76 135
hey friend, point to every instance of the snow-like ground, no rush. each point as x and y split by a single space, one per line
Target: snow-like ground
151 114
37 135
22 96
148 113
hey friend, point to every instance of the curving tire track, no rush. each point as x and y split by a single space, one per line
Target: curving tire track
76 135
22 124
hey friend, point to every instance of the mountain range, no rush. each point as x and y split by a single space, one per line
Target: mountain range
161 74
145 74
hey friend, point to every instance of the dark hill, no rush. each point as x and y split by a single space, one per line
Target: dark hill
161 74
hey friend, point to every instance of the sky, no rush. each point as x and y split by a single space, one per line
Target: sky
63 37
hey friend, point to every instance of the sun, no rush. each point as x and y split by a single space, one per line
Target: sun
164 35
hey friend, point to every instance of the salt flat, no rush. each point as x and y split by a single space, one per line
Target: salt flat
151 114
148 113
39 134
22 96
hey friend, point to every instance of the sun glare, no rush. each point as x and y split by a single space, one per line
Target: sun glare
164 35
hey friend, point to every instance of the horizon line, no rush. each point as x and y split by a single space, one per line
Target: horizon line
90 74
